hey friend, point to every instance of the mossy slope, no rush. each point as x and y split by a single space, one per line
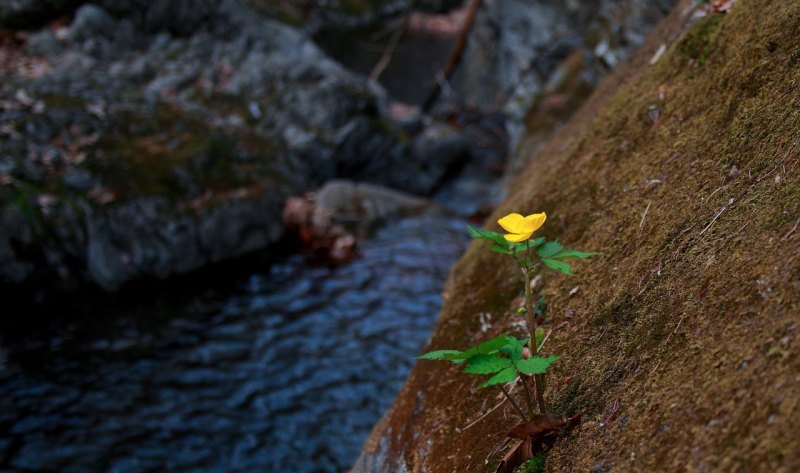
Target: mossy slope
681 344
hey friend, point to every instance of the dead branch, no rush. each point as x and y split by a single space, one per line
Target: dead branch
455 55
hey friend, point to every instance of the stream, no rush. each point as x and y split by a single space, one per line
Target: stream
288 371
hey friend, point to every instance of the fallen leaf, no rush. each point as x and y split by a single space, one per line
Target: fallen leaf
531 437
519 453
542 425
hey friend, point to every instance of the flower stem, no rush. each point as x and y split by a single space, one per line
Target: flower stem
514 403
528 398
532 326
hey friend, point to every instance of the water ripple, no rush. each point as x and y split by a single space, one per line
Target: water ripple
288 373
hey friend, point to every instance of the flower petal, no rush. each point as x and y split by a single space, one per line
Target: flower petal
535 221
511 222
518 237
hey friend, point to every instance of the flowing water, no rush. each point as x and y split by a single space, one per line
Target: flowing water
286 372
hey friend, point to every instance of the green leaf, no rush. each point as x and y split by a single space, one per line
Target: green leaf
574 254
505 376
558 266
439 355
494 344
486 348
549 249
499 249
523 246
487 235
539 338
514 348
535 365
486 364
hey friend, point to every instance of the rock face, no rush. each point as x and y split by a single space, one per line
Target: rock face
679 345
138 146
516 46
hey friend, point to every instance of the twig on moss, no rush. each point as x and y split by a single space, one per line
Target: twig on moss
641 223
724 207
676 329
546 336
794 229
513 385
499 446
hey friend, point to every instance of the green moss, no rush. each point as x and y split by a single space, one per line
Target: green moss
534 465
696 44
671 348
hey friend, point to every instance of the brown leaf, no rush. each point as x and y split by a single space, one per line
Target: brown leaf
542 425
531 437
519 453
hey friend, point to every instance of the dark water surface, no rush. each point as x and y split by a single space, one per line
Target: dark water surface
287 373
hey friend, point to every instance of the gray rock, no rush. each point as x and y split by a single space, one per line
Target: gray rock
181 17
516 45
350 203
79 179
44 43
149 239
91 22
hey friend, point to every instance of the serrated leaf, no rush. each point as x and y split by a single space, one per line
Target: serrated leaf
486 364
535 365
549 249
486 348
487 235
574 254
494 344
558 266
439 355
539 338
499 249
514 348
523 246
505 376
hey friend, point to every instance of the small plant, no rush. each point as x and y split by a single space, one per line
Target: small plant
534 465
503 357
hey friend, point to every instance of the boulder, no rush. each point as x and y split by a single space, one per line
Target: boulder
678 345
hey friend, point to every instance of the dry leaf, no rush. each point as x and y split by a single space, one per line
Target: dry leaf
519 453
542 425
531 437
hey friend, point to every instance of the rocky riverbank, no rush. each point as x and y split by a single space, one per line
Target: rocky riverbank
133 151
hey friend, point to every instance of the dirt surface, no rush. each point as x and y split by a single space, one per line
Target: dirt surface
681 342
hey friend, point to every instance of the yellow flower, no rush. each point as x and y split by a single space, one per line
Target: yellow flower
521 228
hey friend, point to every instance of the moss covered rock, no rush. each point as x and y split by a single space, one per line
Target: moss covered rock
682 170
